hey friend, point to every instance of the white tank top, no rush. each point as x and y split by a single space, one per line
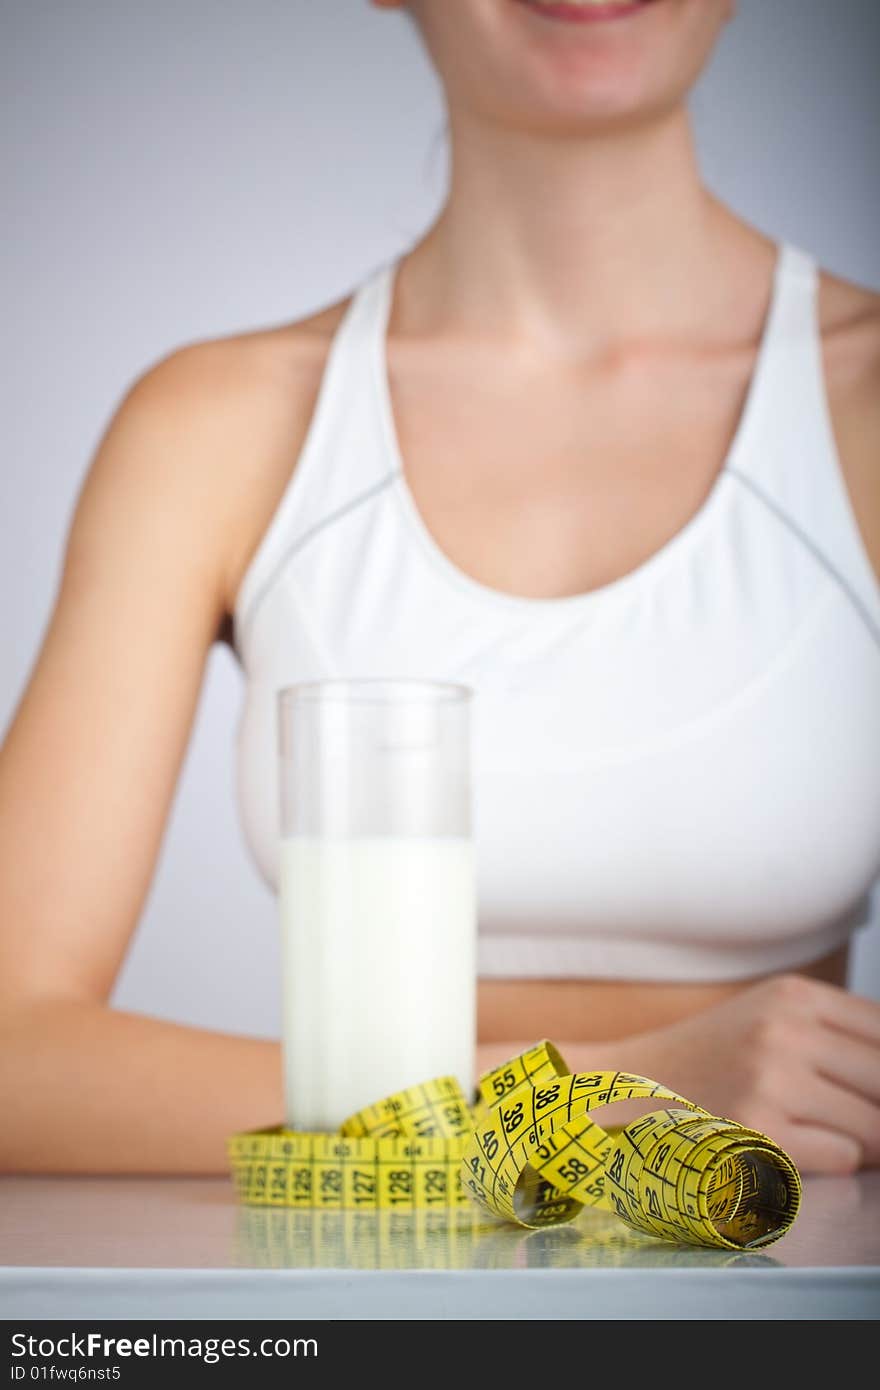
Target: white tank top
676 775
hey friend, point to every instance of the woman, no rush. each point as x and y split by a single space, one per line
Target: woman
639 511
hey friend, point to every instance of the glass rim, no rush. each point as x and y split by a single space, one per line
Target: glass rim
374 690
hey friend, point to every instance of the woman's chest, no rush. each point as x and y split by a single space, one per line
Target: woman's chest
553 482
696 752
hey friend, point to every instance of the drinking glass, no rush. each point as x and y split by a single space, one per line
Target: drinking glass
377 892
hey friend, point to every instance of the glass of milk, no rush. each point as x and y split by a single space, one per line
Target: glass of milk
377 892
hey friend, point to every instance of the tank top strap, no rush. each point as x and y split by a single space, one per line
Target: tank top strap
366 317
797 280
783 367
347 390
342 460
787 457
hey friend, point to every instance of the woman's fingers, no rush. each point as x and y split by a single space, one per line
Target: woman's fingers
849 1061
851 1013
819 1150
823 1103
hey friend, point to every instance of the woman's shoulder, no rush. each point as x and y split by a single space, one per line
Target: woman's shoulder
262 376
235 410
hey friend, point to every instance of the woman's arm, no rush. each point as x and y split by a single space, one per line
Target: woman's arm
90 1089
87 774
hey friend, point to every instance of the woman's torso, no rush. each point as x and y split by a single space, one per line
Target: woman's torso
677 772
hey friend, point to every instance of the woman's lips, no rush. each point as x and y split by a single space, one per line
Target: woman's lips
585 11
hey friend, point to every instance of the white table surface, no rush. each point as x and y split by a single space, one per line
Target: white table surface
155 1248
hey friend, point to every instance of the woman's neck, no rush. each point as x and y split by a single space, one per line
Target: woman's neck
562 239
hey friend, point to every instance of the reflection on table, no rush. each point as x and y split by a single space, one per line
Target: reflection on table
284 1238
195 1223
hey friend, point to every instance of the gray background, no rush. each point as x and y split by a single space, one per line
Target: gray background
180 169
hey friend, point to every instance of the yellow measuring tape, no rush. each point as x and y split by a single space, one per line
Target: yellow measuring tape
528 1151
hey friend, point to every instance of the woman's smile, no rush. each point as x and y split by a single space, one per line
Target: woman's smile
585 11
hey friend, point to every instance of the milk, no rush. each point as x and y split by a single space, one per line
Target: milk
379 970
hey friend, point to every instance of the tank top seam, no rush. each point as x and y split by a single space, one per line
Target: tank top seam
806 379
299 542
834 462
798 533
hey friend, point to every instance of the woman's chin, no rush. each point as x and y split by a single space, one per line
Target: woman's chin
571 65
578 102
579 66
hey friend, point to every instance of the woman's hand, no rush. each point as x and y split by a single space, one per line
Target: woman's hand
793 1057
